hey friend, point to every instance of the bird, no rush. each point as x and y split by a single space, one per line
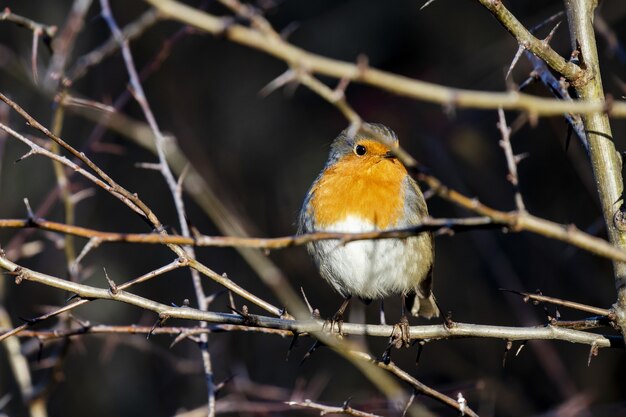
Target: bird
363 187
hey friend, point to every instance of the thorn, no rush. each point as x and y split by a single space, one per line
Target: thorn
593 351
182 336
213 296
112 286
362 64
346 404
222 384
447 320
231 299
425 5
518 54
29 210
293 344
548 38
507 349
26 155
289 30
528 81
158 323
71 297
306 300
520 157
420 349
312 349
408 404
386 356
568 138
278 82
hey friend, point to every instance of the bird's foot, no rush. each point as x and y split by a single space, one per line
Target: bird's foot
336 322
400 336
337 318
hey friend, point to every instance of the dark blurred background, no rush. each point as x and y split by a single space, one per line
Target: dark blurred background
261 154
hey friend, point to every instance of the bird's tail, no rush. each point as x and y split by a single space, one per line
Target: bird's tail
422 305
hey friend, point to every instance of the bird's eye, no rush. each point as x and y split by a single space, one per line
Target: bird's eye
360 150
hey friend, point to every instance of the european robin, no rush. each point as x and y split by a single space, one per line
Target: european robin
365 188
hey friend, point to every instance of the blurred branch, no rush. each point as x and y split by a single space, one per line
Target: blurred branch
21 371
131 32
47 31
63 44
450 97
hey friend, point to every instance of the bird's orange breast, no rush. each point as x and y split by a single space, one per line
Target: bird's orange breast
370 188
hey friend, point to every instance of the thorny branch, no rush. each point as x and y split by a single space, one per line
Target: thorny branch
450 97
311 325
492 219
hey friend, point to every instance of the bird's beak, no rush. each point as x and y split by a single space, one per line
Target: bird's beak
389 155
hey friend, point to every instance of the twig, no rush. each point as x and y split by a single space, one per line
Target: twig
565 303
63 44
511 159
417 385
537 46
327 409
131 32
47 31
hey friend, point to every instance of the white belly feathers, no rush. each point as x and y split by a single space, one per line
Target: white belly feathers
369 269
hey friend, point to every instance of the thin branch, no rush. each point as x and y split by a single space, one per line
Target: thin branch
327 409
449 97
537 46
63 43
417 385
565 303
511 159
568 234
47 31
131 32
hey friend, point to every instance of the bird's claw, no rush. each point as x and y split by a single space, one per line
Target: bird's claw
401 334
336 320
